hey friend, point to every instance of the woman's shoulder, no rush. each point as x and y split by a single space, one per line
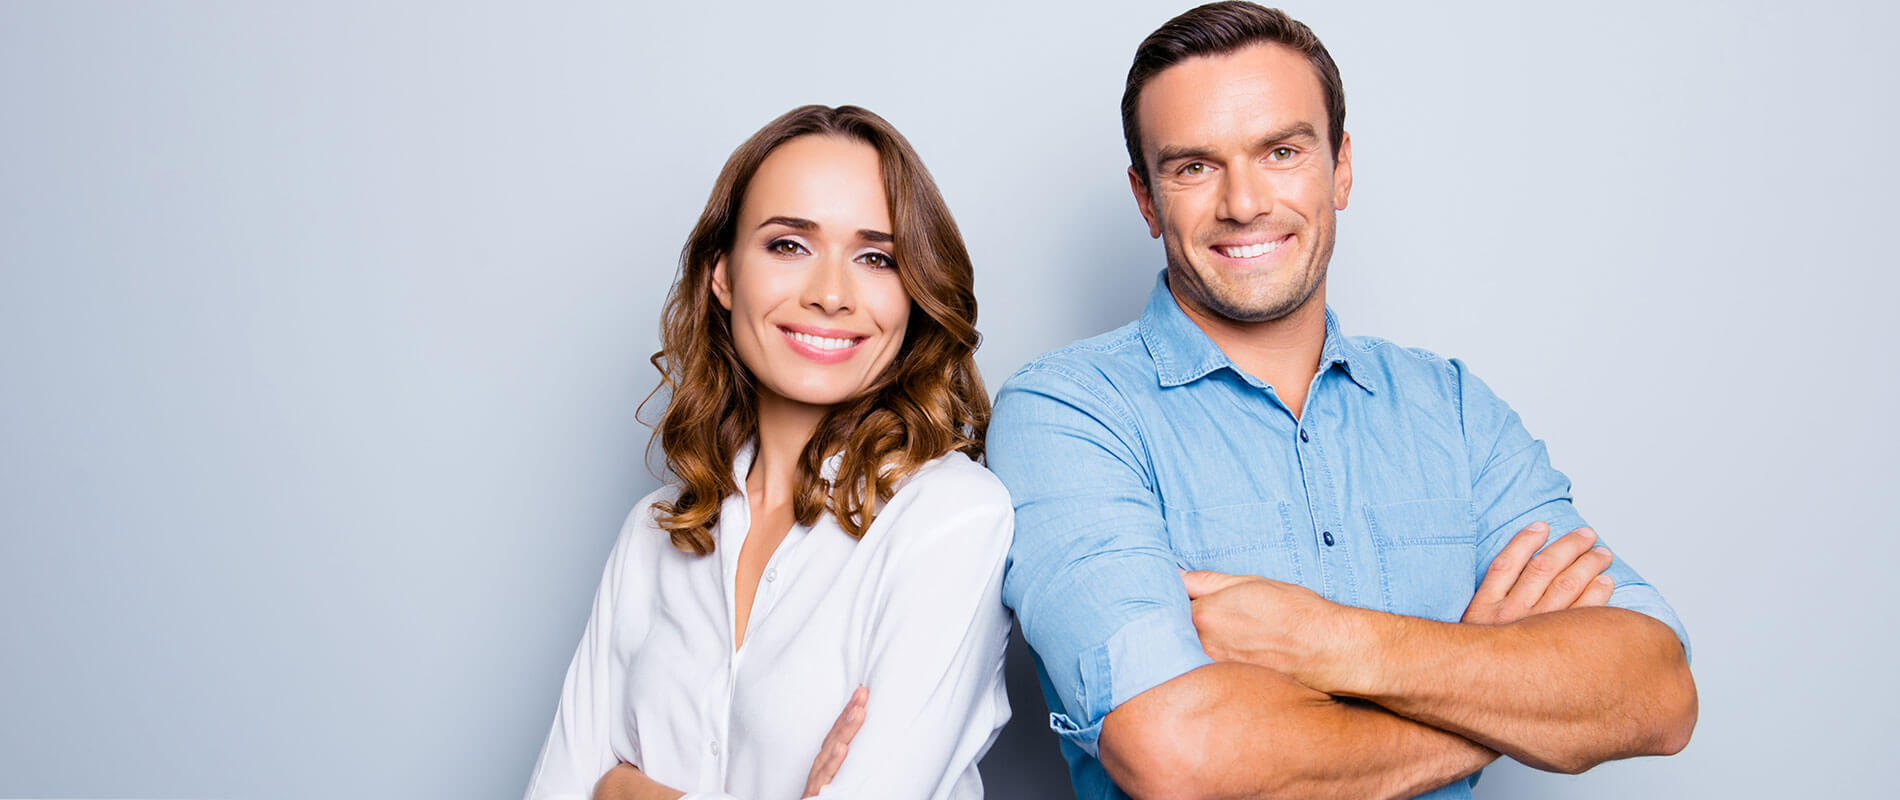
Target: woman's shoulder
639 533
949 496
953 481
642 515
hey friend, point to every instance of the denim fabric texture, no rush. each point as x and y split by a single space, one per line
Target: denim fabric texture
1144 451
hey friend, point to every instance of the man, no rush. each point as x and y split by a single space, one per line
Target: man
1257 557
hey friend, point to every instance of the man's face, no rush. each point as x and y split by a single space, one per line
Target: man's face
1242 185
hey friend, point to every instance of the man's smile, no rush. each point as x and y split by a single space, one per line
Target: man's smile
1243 251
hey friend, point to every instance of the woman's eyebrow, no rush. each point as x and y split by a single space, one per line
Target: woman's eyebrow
795 223
802 224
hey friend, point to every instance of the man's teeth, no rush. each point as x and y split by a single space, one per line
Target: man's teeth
822 342
1251 250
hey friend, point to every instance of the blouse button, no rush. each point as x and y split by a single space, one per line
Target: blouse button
771 573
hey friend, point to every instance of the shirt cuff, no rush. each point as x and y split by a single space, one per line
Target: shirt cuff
1644 599
1146 652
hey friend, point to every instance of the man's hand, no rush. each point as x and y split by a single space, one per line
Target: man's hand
1283 627
837 743
1522 581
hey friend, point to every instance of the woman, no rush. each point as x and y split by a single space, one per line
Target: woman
830 542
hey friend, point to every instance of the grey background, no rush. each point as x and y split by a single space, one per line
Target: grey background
322 330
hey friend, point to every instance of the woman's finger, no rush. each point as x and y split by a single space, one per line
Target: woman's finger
854 715
837 742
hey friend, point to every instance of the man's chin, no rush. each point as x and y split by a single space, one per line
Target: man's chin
1240 305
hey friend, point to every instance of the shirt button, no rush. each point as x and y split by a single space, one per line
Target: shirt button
1303 434
771 573
715 747
1327 537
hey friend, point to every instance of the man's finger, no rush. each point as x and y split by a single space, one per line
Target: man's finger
1569 585
1503 572
1206 582
1598 594
1544 568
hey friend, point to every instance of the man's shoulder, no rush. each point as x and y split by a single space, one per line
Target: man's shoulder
1406 369
1107 358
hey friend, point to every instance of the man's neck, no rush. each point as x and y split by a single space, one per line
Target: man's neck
1283 352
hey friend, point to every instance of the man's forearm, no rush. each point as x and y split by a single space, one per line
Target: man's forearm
1237 730
1561 691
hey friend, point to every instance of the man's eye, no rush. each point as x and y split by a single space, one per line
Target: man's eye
1194 168
1281 153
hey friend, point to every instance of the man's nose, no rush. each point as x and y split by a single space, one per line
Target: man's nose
1242 196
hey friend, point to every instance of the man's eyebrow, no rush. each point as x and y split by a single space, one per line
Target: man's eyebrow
795 223
1169 153
1296 130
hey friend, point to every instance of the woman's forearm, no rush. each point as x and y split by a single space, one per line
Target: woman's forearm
626 782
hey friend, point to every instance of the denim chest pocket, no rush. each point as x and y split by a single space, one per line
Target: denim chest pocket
1427 557
1244 539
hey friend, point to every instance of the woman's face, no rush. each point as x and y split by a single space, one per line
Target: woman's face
811 282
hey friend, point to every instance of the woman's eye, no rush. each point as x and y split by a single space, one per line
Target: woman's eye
785 247
879 260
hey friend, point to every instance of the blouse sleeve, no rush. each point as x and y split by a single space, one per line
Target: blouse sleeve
585 741
934 663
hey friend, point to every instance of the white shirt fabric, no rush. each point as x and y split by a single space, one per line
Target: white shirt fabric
913 612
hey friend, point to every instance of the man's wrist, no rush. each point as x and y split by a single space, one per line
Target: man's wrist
1351 662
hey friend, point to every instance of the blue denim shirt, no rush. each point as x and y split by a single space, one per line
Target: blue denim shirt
1144 451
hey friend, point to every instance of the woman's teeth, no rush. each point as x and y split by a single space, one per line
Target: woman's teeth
822 342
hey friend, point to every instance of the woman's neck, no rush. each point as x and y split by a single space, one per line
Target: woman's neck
785 427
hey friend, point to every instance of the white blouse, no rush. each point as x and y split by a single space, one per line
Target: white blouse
913 612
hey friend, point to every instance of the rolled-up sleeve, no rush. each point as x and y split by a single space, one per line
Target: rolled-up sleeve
1093 582
1514 485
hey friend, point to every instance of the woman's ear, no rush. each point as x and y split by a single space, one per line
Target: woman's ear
721 285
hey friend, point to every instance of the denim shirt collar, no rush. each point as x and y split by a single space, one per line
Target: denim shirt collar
1183 353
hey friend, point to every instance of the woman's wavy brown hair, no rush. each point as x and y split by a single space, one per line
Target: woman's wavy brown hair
927 402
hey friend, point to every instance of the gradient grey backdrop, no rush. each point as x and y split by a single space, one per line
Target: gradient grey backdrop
322 329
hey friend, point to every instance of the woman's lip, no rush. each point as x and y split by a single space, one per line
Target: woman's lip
829 333
819 354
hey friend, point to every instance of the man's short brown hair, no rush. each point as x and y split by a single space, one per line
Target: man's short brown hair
1220 28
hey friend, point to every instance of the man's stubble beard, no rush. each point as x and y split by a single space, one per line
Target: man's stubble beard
1183 279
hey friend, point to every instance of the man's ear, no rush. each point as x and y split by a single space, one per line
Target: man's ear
1145 201
721 285
1342 173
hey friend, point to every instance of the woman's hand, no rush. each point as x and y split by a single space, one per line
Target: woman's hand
837 743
